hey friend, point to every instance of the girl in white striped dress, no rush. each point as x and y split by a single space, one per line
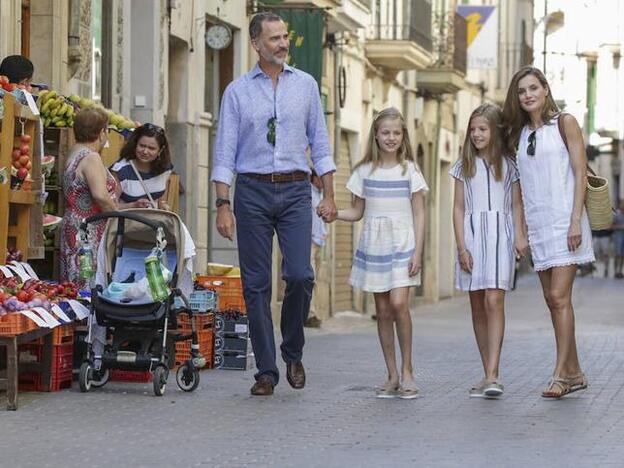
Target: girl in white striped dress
389 192
489 230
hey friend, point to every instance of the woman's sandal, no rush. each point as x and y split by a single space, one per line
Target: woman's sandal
388 390
566 384
409 391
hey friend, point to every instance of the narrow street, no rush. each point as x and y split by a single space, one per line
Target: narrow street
336 421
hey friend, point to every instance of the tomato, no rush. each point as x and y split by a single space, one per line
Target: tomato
22 296
51 294
10 87
4 80
71 293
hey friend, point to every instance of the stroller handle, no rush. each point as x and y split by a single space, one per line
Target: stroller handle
119 214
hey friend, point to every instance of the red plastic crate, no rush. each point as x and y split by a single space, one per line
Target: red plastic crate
118 375
61 372
229 291
16 324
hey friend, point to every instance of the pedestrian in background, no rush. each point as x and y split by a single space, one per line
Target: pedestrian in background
618 241
144 168
319 234
489 231
388 191
602 248
269 119
553 177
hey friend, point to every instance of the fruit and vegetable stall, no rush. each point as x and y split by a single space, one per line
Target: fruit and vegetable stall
38 317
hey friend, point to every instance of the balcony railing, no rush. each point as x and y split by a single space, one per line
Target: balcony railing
418 30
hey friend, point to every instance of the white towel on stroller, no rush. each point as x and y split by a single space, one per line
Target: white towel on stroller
132 261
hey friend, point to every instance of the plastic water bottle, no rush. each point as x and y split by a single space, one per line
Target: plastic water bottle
157 284
85 262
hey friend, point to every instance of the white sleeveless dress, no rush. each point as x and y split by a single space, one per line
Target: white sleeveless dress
547 183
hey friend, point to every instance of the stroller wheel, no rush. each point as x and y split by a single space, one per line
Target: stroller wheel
160 380
187 377
100 378
84 377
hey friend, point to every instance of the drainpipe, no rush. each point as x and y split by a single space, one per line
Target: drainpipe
337 64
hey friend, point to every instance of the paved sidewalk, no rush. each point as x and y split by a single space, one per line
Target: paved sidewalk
336 421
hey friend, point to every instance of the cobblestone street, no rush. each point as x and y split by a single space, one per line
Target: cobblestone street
337 421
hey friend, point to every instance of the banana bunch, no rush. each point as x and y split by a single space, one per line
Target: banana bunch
55 110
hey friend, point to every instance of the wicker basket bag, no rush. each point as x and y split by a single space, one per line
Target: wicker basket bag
598 202
597 199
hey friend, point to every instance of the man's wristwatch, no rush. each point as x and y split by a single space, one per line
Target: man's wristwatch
222 201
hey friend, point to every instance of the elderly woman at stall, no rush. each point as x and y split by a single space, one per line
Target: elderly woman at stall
89 188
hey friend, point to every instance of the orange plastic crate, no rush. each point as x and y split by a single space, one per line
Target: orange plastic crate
229 291
63 334
205 340
202 322
16 324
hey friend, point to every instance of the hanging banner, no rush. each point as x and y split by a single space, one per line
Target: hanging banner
481 35
306 40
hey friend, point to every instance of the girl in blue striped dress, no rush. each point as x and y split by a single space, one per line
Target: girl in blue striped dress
388 191
490 234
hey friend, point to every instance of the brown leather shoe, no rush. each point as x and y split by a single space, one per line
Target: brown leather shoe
295 374
263 386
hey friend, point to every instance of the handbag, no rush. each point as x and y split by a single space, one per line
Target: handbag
597 198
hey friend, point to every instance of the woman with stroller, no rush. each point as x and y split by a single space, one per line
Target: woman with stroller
144 168
89 188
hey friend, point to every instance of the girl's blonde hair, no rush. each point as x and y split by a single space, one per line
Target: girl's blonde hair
404 152
515 116
494 150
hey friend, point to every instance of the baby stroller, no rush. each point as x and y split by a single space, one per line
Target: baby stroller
139 325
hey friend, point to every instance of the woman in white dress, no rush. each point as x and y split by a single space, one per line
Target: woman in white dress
389 192
553 178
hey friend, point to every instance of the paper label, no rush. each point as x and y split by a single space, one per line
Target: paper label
56 310
19 272
6 272
29 270
31 102
49 318
80 310
240 328
35 318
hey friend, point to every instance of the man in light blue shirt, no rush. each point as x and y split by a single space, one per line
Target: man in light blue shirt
269 119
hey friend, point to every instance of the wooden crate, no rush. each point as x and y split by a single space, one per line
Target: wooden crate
18 208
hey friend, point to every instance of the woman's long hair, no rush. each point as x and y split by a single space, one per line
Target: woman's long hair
495 148
404 153
515 116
